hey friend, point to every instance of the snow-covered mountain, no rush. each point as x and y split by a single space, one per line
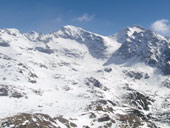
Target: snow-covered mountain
145 45
75 78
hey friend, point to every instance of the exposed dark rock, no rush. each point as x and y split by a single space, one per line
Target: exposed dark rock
24 120
16 95
136 75
138 100
10 91
104 118
102 106
137 113
66 122
130 121
43 50
37 92
166 83
4 44
102 102
146 76
32 81
3 92
92 115
94 82
134 119
86 127
108 69
114 104
165 65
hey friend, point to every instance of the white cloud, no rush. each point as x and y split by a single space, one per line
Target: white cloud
59 19
161 26
85 18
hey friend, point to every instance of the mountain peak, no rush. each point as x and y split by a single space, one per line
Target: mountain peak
74 32
137 26
128 32
70 30
71 27
10 31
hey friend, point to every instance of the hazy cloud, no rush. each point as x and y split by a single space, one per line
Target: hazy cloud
59 19
161 26
84 18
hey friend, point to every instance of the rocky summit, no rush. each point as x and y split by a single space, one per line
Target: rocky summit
74 78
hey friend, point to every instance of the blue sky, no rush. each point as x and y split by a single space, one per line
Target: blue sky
100 16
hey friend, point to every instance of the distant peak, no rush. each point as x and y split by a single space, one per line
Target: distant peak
138 26
70 29
128 32
134 28
10 30
33 32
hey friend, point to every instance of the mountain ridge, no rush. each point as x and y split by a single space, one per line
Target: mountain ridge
75 78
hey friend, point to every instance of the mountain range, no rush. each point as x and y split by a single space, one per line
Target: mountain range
74 78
